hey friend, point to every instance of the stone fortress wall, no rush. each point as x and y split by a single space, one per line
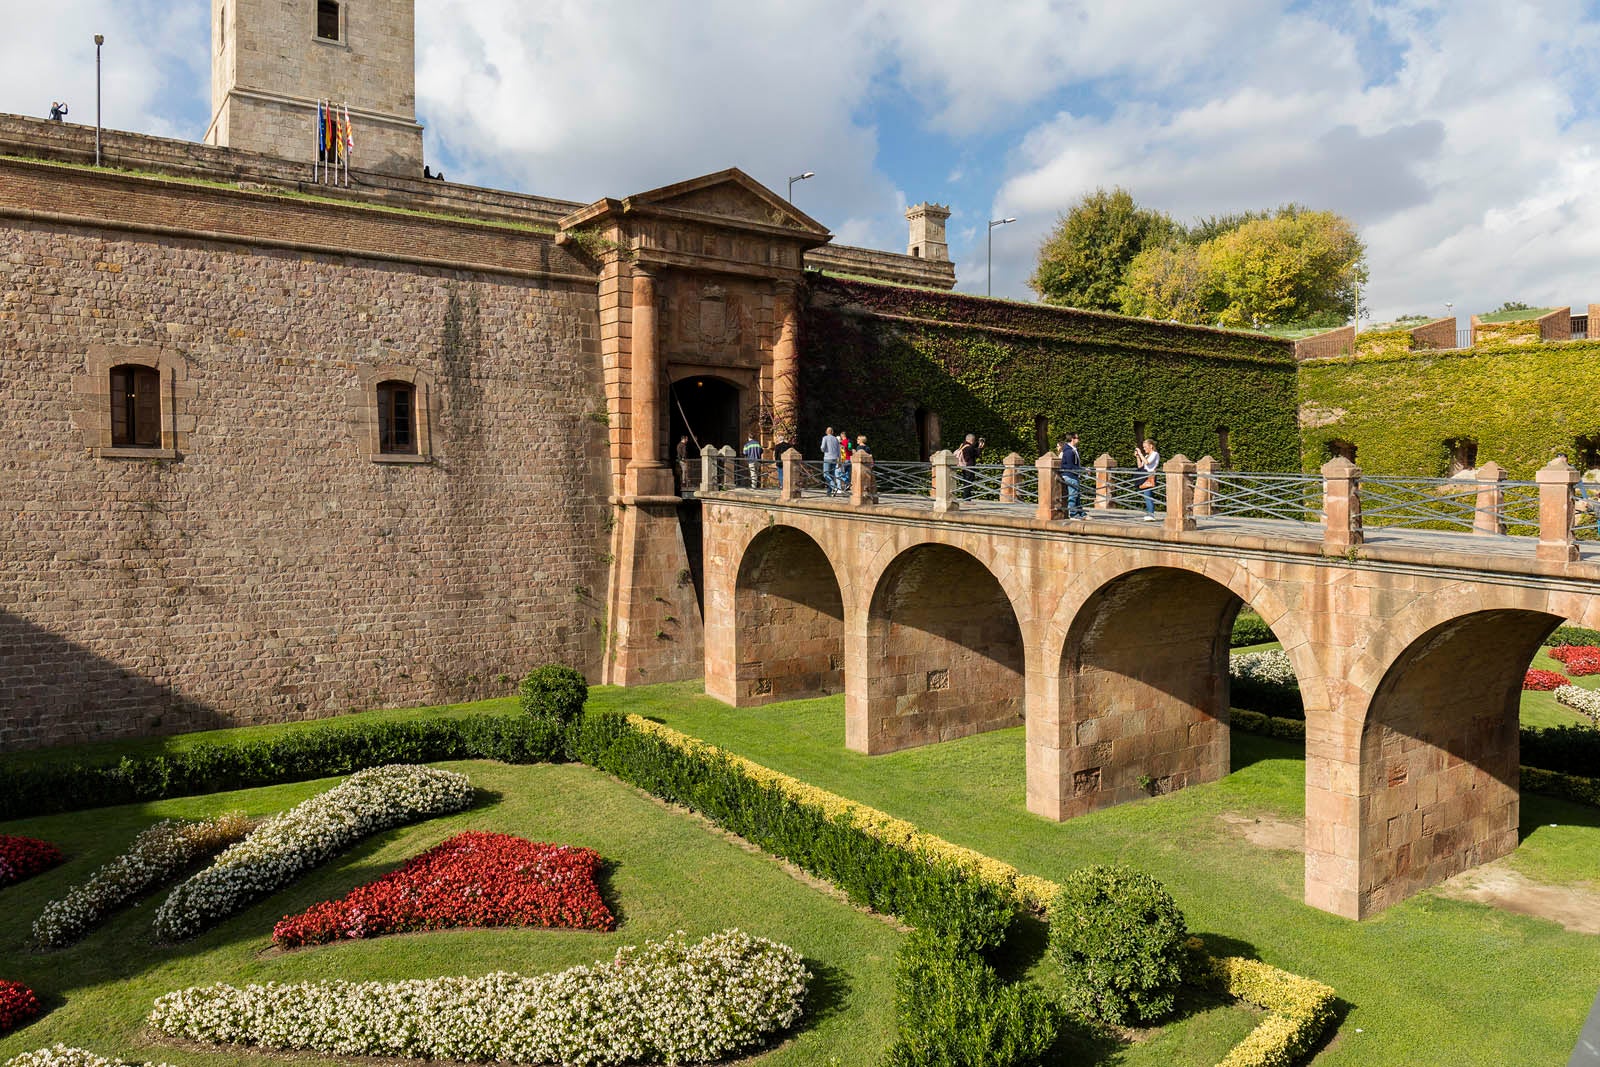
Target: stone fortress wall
263 565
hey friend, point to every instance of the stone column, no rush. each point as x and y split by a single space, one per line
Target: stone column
1556 480
1050 488
708 469
1487 517
1341 503
1008 480
944 481
1102 480
863 483
1180 494
648 474
1204 488
791 476
727 468
785 363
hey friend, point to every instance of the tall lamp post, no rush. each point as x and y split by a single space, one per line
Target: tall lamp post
99 39
989 288
799 178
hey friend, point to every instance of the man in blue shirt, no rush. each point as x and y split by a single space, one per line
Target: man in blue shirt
752 456
1071 473
830 461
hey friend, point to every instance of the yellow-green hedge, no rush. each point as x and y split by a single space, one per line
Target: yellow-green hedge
1299 1009
1025 890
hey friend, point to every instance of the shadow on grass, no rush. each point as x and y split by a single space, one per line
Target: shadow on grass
827 995
1223 945
1247 749
1024 946
1539 811
608 893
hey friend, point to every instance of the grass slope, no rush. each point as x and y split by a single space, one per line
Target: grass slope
668 873
1430 980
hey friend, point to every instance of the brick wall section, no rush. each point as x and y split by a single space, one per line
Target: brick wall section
1440 333
1556 326
1340 342
273 572
887 266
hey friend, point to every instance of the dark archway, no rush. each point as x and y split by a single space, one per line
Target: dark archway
1439 753
944 652
707 411
789 620
1144 685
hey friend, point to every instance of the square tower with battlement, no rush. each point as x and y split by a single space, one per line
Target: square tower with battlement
272 60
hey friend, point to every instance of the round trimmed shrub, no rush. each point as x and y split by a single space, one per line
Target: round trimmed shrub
1119 938
1250 629
555 693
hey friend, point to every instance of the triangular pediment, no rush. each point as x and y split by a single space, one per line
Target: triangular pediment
728 196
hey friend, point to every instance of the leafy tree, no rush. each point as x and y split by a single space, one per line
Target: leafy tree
1512 305
1167 282
1211 227
1295 266
1083 261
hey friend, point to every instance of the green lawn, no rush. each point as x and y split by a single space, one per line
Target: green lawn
1430 980
668 872
1514 316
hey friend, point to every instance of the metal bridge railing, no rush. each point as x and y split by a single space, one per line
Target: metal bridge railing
904 479
1242 494
1122 490
1420 503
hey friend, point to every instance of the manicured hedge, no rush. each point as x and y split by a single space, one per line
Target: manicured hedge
1572 635
318 752
1564 749
1300 1009
1250 629
882 876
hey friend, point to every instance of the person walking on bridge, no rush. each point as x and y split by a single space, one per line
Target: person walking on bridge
752 456
1071 475
830 461
966 461
1149 462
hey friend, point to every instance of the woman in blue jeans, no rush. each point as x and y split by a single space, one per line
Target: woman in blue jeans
1149 462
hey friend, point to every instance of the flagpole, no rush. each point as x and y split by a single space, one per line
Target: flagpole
314 160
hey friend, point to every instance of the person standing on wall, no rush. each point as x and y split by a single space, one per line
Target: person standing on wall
752 456
966 461
684 484
1072 475
1149 462
830 461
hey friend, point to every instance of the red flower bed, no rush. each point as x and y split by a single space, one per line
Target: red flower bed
473 879
1580 659
24 857
1543 681
17 1005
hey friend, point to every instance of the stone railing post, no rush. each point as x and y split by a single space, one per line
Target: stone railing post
1487 516
708 469
1008 480
1205 468
863 483
1341 503
727 468
1180 494
944 481
1102 480
1556 480
1051 491
790 490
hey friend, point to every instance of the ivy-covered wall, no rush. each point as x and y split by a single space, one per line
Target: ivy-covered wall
1520 403
874 355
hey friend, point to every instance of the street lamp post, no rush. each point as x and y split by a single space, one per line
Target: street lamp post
989 288
99 39
799 178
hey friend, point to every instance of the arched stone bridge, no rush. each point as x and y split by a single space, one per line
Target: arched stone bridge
1110 641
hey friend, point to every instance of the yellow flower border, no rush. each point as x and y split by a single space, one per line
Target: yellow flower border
1299 1009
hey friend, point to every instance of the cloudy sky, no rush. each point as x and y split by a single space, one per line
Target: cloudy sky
1460 137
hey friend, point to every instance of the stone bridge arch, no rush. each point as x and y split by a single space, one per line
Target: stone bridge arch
786 629
943 654
1137 661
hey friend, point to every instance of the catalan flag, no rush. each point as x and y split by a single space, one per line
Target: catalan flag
349 132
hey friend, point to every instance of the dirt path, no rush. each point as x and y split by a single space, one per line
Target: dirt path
1496 884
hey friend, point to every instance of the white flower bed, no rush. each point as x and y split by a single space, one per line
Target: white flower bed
1585 702
66 1056
1271 667
156 857
310 833
663 1002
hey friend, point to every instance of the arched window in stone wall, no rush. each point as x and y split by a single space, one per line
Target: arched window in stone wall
135 406
394 414
397 418
1342 449
1463 455
1224 456
1041 434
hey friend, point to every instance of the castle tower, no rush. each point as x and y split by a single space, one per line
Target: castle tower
272 60
927 232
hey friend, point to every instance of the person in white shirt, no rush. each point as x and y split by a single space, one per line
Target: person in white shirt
1150 463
